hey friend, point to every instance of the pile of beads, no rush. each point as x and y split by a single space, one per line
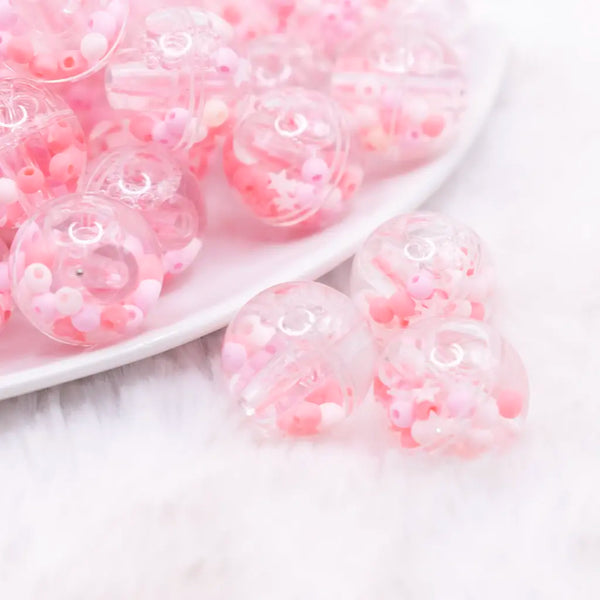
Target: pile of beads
113 112
60 40
86 270
42 149
299 357
448 381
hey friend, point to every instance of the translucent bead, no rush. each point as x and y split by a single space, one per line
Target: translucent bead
404 89
329 25
152 182
285 60
176 62
299 358
452 385
6 304
288 155
42 150
63 40
421 265
79 264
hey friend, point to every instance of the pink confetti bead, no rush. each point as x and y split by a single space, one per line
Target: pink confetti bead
380 310
44 305
271 172
303 419
142 126
154 183
71 63
233 357
177 120
30 180
135 317
226 60
397 122
19 50
69 301
87 320
44 66
402 414
9 191
274 367
162 134
94 46
423 265
8 16
420 286
467 386
83 291
60 136
37 278
62 41
103 22
147 294
199 73
315 171
66 165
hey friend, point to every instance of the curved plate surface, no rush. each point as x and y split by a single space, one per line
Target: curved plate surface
241 259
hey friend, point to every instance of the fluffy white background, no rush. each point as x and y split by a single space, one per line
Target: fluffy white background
144 482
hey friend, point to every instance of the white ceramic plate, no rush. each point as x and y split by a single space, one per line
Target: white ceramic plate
236 266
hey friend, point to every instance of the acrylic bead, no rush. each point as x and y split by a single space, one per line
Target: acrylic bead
181 69
6 304
421 265
403 87
93 47
452 385
299 358
287 155
37 124
61 40
152 182
287 60
79 264
330 24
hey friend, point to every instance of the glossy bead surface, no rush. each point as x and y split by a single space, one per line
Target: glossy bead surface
6 304
281 139
178 61
83 268
421 265
330 24
452 385
42 152
151 181
299 358
287 60
404 90
63 40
